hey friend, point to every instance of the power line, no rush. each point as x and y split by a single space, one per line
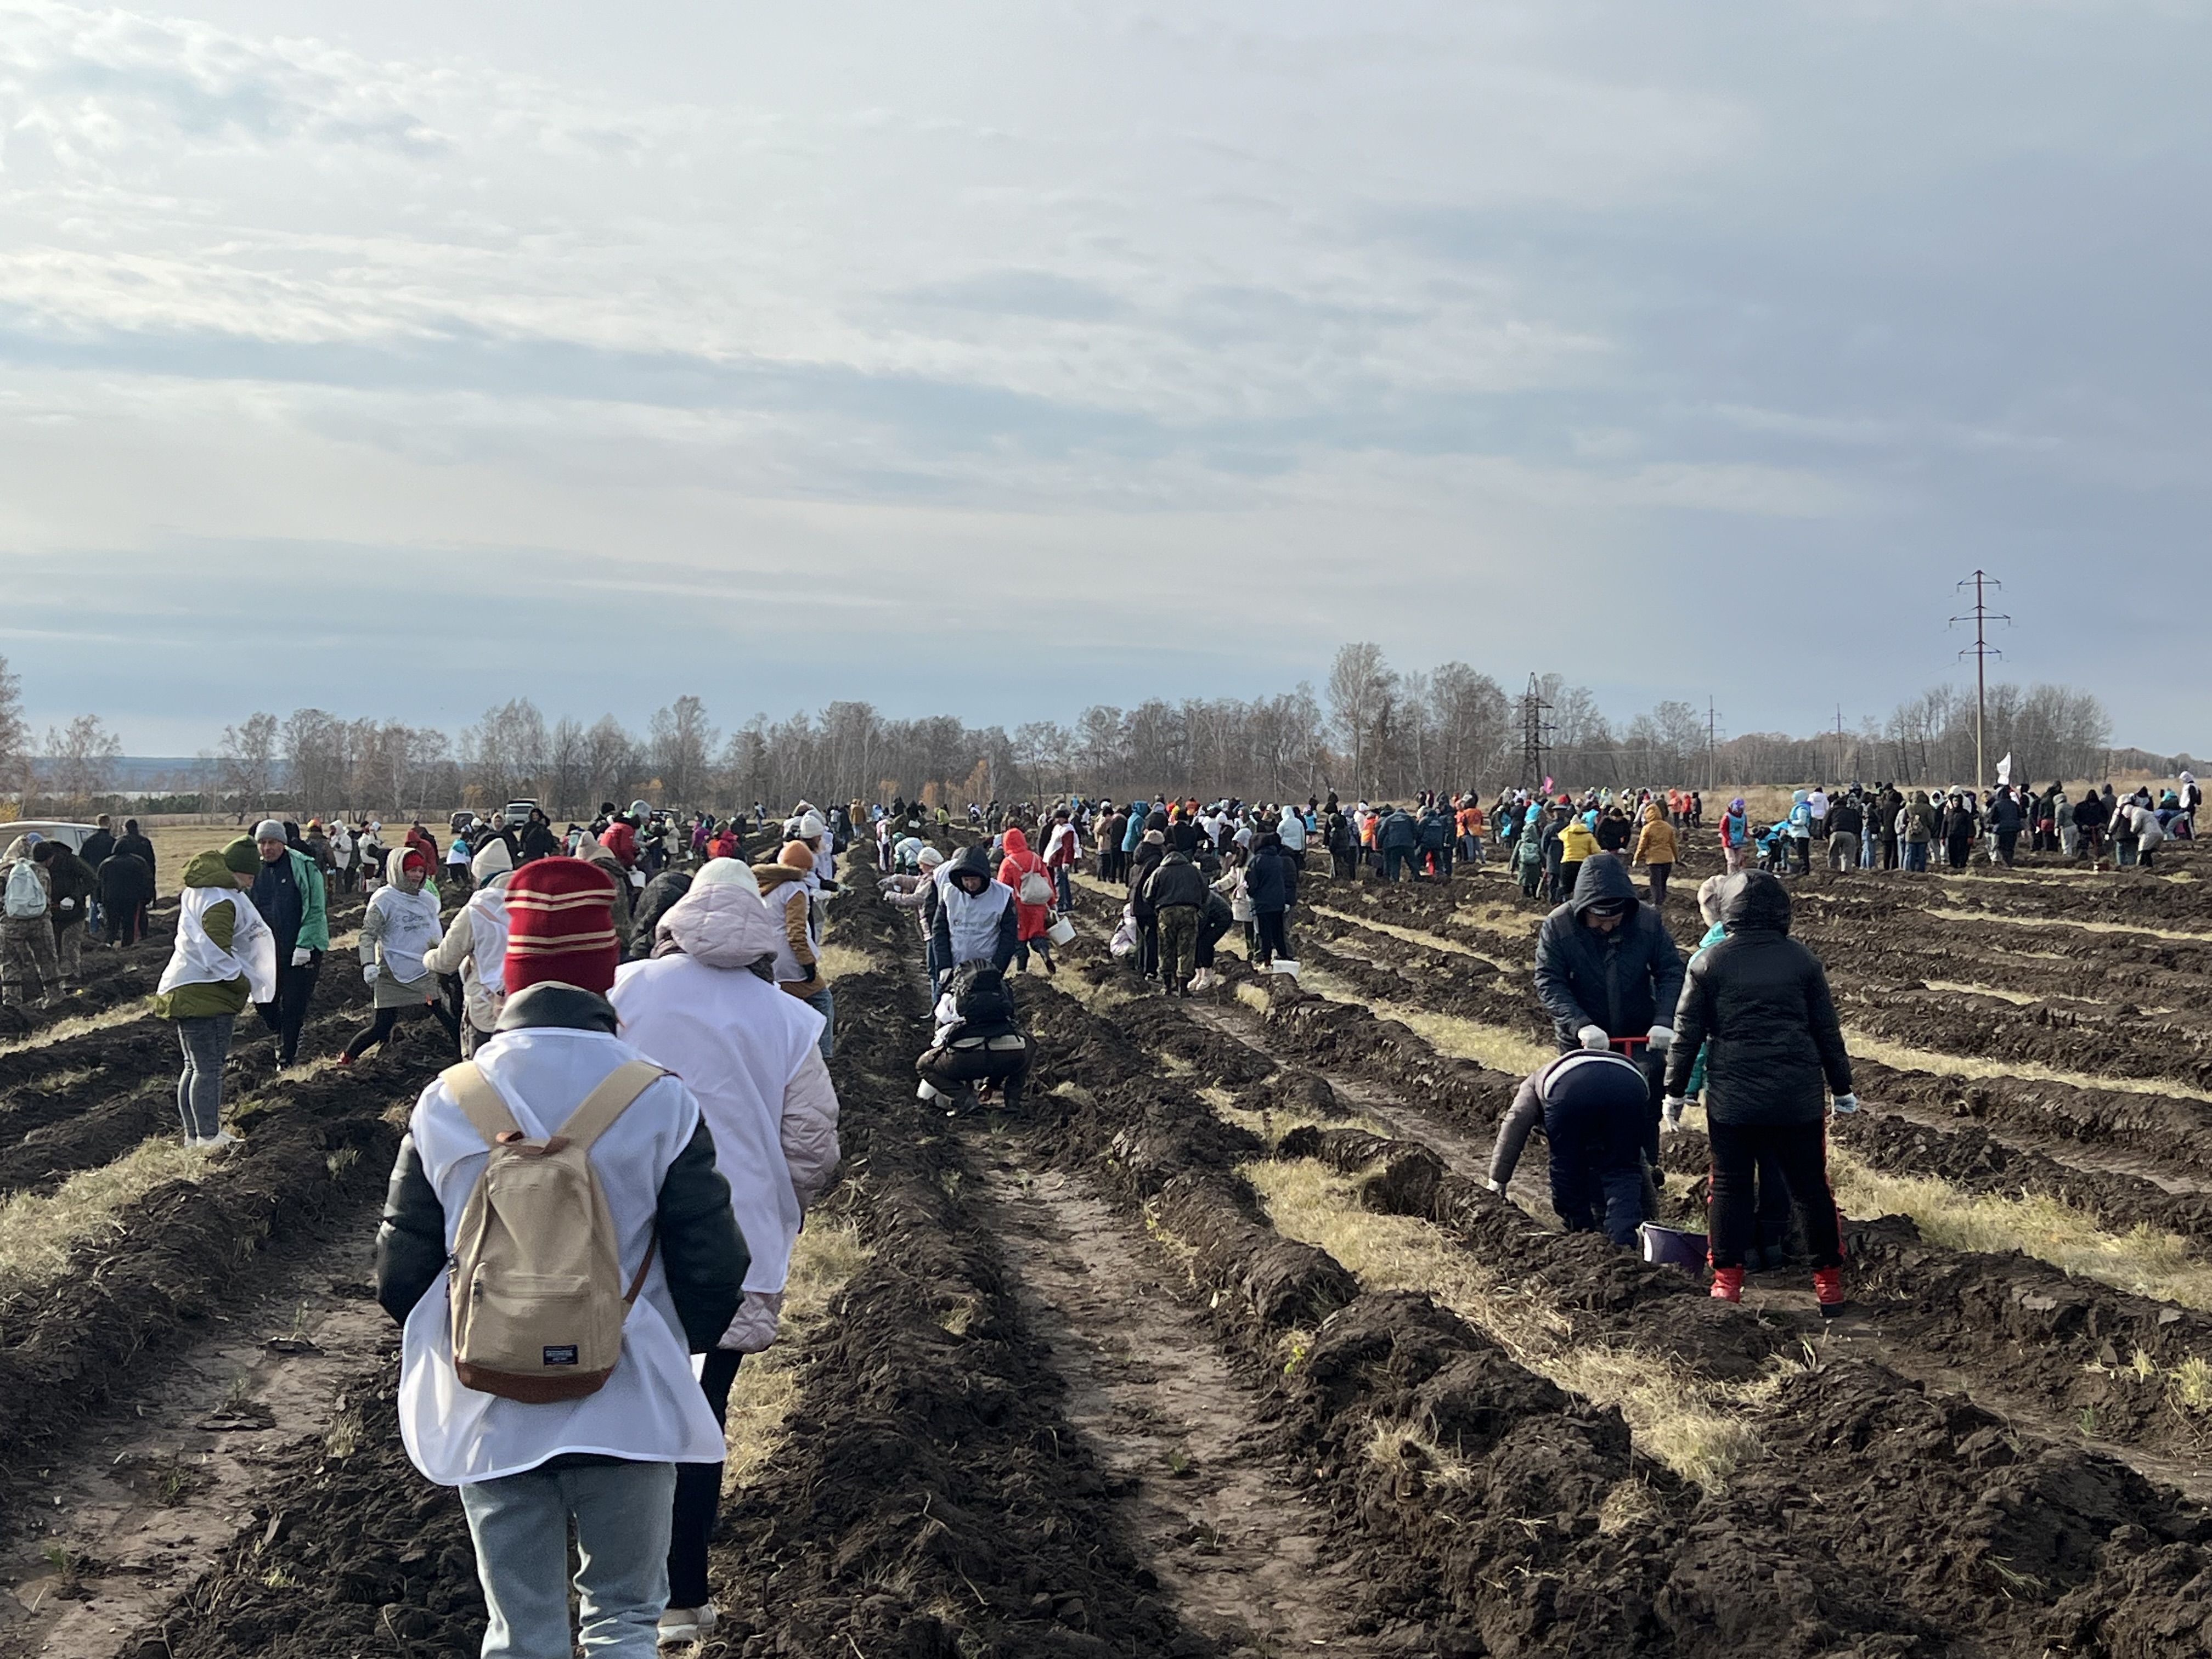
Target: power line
1981 615
1535 732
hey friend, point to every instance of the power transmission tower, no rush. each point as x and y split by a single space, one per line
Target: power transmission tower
1837 776
1712 748
1535 732
1981 615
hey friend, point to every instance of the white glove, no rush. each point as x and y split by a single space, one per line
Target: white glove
369 971
65 904
1671 1110
1492 1185
1660 1039
300 957
1593 1036
1846 1104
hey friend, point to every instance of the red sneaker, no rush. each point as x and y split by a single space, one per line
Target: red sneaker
1828 1289
1728 1284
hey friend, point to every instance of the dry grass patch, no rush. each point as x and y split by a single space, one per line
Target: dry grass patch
824 1259
1499 1047
843 961
1963 987
1273 1126
2143 1260
39 1230
1902 1057
1694 1427
1410 935
1945 913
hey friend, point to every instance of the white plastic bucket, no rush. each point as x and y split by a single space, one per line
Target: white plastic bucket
1284 965
1062 930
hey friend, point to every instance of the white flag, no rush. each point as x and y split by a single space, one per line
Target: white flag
2004 769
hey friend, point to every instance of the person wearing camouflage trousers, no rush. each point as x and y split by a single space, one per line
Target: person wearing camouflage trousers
28 971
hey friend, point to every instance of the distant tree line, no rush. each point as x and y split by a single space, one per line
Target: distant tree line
1373 730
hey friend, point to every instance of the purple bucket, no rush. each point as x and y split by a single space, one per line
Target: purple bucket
1674 1247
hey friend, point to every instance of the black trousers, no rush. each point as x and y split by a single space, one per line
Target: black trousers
1799 1153
699 1495
1659 874
380 1028
287 1011
1274 934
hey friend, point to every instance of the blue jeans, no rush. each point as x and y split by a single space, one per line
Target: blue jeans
520 1526
1916 855
826 1005
1060 879
206 1043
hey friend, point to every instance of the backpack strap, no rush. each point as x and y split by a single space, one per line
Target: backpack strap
484 1107
600 1107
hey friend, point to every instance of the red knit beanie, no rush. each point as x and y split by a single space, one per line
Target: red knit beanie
561 926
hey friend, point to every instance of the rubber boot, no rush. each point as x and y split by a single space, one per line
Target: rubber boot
1727 1285
1829 1290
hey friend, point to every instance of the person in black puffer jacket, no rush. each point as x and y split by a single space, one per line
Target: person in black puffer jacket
1607 968
1761 1000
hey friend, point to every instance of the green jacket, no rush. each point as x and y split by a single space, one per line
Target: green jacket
314 915
207 999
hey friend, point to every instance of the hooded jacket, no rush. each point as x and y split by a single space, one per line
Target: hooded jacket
1176 880
71 883
656 1166
1576 844
1029 920
1270 880
1657 844
398 932
1625 981
788 898
1761 1001
978 928
475 947
224 955
699 1007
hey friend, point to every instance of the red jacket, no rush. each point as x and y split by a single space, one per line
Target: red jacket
622 841
1029 920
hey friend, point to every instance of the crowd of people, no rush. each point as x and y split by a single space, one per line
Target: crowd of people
635 1017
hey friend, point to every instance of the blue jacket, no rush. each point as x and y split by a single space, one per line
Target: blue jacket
1627 980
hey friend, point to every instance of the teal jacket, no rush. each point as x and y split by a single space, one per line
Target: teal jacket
1714 935
314 910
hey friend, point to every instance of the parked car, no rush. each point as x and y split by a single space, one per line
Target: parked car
72 836
517 811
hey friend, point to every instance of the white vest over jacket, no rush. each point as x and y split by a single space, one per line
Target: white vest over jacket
738 1041
196 960
651 1409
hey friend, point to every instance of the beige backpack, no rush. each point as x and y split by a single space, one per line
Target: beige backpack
538 1300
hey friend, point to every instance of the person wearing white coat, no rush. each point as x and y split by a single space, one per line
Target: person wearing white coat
605 1462
705 1005
475 945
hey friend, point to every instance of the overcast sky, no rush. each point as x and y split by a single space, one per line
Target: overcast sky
1002 359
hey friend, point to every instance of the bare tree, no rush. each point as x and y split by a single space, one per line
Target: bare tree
1360 688
246 769
505 753
80 761
318 749
15 771
681 743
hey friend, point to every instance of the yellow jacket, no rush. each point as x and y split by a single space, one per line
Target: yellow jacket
1576 842
1657 844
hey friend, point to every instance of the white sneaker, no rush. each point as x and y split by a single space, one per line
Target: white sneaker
679 1625
220 1138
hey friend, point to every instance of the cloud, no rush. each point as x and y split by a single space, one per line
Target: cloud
1235 333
